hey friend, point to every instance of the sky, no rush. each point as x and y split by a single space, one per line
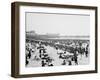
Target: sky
43 23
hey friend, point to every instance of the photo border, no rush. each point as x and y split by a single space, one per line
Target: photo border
15 40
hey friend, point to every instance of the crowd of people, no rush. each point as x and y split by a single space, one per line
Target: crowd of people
66 51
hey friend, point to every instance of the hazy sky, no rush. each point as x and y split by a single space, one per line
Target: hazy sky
58 24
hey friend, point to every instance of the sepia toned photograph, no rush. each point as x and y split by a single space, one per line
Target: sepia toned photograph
57 39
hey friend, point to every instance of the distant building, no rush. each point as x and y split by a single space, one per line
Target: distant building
31 33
